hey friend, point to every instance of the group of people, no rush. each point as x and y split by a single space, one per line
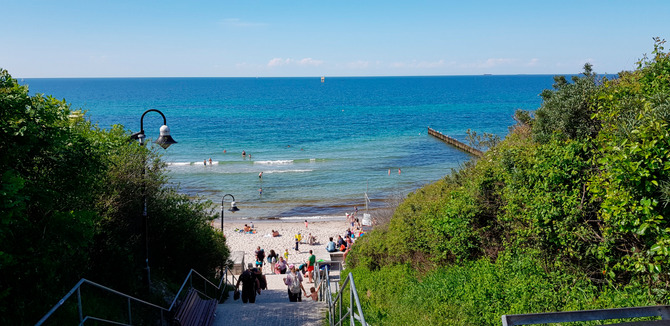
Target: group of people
253 280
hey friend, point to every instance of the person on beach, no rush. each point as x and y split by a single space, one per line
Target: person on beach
341 242
311 261
280 266
286 255
298 237
204 162
330 247
260 175
247 229
250 285
272 259
275 233
313 293
244 153
305 224
210 161
293 281
260 255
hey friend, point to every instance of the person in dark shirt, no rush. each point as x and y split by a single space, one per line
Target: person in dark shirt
250 285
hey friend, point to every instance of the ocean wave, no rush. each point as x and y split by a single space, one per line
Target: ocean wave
311 160
179 163
277 162
190 163
287 171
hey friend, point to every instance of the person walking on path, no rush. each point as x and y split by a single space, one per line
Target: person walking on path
272 259
294 282
311 261
250 285
313 293
260 256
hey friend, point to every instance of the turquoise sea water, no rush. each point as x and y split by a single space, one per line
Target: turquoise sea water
319 145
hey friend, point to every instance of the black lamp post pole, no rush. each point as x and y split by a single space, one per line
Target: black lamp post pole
164 140
233 208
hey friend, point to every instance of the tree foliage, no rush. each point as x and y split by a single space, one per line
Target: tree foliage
580 188
71 207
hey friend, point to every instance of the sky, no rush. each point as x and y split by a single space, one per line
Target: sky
254 38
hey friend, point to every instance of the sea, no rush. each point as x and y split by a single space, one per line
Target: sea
325 149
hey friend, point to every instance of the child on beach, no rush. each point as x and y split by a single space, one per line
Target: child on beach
286 255
305 224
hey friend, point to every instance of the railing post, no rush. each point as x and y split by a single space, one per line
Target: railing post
351 305
79 307
130 313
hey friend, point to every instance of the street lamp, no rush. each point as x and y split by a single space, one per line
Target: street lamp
164 140
233 208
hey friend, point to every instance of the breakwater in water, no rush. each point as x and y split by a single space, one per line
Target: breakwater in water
455 143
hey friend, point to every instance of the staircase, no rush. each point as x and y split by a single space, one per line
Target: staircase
272 308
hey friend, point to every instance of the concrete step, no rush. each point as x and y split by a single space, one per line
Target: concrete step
272 308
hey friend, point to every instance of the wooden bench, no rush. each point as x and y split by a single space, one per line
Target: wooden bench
237 257
195 311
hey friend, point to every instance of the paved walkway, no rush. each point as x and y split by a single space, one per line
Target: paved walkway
272 308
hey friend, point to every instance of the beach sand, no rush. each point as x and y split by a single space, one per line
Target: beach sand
248 243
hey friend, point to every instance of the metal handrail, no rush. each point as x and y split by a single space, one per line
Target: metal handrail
588 315
223 284
163 310
335 316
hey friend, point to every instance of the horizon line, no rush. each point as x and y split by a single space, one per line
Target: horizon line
325 76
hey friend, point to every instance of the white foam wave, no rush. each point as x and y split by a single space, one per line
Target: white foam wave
277 162
179 163
198 163
287 171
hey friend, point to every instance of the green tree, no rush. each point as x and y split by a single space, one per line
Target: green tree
70 207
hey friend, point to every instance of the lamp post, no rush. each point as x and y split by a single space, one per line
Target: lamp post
233 208
164 140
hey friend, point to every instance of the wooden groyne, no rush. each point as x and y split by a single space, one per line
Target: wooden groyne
453 142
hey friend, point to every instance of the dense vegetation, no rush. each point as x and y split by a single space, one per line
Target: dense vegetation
71 207
567 213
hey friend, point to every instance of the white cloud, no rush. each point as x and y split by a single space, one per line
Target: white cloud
277 62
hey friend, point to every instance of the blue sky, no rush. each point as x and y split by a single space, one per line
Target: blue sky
324 38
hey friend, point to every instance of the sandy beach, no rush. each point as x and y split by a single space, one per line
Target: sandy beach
322 230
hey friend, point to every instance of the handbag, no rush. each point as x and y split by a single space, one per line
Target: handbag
236 294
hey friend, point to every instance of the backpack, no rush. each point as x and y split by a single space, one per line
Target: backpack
261 255
295 284
248 280
263 282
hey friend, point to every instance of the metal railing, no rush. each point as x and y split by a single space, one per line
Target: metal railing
592 315
201 284
337 312
223 284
